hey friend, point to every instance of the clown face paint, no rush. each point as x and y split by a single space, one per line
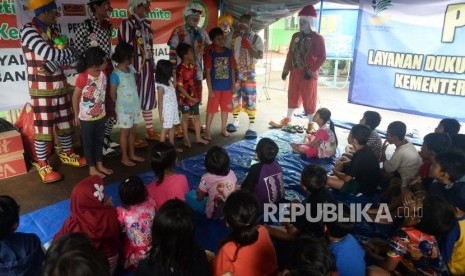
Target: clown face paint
225 27
305 25
244 27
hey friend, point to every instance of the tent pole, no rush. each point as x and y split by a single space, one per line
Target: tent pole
320 16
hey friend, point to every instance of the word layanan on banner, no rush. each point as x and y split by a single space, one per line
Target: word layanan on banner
409 57
164 15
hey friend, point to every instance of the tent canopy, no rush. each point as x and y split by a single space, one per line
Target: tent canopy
265 13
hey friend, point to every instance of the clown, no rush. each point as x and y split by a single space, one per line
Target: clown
137 32
306 55
190 33
247 47
225 22
96 31
48 87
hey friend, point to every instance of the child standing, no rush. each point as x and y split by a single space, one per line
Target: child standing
168 105
265 179
189 96
220 74
135 216
89 107
248 250
123 90
323 143
169 184
219 181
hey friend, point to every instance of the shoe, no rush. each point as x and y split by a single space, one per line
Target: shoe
46 173
151 135
72 159
140 143
178 133
110 152
283 122
107 142
288 128
231 128
250 134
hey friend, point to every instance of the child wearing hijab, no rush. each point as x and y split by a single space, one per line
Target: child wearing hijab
94 215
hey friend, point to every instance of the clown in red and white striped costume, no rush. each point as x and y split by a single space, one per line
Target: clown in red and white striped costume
45 53
136 31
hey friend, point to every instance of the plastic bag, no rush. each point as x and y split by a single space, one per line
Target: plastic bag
25 124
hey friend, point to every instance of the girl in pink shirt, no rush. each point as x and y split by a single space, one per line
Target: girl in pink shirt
217 183
168 185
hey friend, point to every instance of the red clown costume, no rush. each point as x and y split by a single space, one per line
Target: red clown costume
306 54
46 51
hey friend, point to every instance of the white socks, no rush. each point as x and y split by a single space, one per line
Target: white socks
290 112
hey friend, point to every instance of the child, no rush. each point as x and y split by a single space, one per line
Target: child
433 144
414 250
361 174
348 254
219 181
323 143
167 102
123 91
373 119
135 217
74 254
448 125
313 181
174 250
454 249
265 179
20 253
89 107
169 184
248 249
405 161
219 65
92 213
189 96
448 168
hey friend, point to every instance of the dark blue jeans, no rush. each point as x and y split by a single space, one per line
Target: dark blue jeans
92 133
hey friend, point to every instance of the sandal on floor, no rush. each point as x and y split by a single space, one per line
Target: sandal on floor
298 129
289 129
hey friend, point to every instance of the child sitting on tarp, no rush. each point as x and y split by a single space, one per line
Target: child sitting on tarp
218 182
323 143
265 178
20 253
361 174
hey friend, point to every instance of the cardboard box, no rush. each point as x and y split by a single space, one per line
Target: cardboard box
10 142
12 165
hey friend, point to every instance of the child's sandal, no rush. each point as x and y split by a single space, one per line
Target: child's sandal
298 129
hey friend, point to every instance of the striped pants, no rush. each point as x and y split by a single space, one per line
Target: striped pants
146 86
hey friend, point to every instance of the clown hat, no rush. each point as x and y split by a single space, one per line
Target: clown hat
41 6
308 11
225 18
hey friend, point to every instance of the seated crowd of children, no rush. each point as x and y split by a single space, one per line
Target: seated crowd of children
153 231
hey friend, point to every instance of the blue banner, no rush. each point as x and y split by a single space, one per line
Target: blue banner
409 57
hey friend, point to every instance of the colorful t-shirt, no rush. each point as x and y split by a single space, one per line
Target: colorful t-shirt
453 248
173 186
258 258
222 66
218 188
327 145
92 102
417 252
137 223
127 100
185 77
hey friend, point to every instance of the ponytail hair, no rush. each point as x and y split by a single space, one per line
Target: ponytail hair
93 56
163 158
325 115
241 212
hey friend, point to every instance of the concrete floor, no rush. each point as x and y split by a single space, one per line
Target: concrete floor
31 194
